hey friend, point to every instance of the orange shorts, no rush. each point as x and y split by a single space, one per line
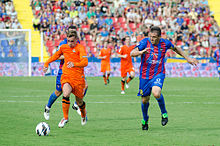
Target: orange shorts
124 71
105 67
78 87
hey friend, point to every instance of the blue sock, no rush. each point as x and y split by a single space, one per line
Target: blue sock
52 99
144 108
161 104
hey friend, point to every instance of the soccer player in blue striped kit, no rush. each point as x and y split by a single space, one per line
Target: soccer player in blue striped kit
58 91
152 71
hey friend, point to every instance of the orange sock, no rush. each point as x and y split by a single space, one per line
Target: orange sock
105 80
108 76
129 79
122 85
65 106
83 110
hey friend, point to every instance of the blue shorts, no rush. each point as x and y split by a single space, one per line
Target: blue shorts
218 68
58 83
145 85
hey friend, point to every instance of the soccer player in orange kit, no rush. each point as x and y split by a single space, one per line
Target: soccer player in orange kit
73 78
126 64
104 55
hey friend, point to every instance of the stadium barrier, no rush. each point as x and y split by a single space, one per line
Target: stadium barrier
174 69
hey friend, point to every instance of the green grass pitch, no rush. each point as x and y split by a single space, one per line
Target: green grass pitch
193 106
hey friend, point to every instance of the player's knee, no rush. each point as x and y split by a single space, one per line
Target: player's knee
132 75
79 101
58 93
145 99
66 94
156 93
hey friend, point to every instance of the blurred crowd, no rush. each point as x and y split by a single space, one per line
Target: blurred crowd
189 24
8 16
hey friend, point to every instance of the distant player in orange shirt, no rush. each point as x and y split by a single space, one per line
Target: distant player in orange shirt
126 64
104 55
72 79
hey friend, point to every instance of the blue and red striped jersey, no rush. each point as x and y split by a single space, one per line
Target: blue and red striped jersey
153 62
217 56
61 43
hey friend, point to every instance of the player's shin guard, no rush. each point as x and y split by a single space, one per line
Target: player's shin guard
52 99
122 85
129 79
144 108
161 104
65 106
83 110
104 78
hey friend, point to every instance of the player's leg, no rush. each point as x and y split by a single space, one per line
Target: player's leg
75 106
218 71
145 92
53 98
144 106
108 74
82 107
67 89
123 85
104 78
79 93
132 74
156 91
108 69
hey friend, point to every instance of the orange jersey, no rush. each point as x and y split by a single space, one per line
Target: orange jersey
77 55
107 53
126 62
105 63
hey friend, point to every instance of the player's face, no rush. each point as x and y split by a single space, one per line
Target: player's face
72 41
127 40
154 38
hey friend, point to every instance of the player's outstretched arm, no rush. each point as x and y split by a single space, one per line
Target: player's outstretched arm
179 51
51 59
122 56
135 52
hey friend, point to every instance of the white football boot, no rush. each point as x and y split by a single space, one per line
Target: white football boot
62 123
47 112
122 92
83 121
126 85
76 107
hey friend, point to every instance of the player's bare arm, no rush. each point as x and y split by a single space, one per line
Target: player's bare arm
179 51
61 57
122 56
135 52
103 57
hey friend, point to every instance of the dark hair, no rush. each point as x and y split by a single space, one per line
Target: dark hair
72 34
157 29
71 27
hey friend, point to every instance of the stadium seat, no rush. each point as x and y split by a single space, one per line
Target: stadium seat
4 43
121 20
88 37
115 20
91 44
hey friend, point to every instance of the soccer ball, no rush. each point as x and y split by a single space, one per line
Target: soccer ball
42 129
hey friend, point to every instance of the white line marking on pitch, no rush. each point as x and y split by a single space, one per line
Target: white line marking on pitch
102 102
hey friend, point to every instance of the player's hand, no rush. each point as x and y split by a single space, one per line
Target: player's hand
104 57
45 69
192 61
70 64
145 51
125 56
